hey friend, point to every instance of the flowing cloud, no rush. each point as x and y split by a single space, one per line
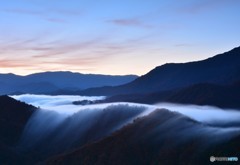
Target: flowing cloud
56 123
60 104
204 114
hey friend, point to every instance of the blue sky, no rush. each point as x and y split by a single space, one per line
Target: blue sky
113 37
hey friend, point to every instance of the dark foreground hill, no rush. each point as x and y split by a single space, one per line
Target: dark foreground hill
222 69
163 138
49 82
13 118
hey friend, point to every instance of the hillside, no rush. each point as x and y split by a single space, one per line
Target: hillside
223 96
157 139
13 118
222 69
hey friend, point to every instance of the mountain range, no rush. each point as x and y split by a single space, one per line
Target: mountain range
49 82
222 69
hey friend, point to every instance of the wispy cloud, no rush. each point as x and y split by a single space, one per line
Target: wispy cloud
183 45
67 12
56 20
129 22
33 65
16 63
43 11
60 55
51 15
204 5
23 11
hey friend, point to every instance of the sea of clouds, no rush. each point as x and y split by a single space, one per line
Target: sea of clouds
64 104
59 121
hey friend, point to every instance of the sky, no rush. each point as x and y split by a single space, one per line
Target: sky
113 37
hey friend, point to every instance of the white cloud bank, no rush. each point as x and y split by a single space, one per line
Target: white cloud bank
63 104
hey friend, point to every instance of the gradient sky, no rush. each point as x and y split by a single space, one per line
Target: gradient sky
113 37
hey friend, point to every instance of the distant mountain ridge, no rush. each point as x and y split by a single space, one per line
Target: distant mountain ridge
47 82
222 69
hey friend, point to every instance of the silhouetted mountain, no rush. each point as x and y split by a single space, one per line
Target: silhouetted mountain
227 96
221 69
50 82
209 94
14 115
13 118
162 137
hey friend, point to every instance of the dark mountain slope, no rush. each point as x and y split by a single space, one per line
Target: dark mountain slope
158 138
209 94
221 69
227 96
13 118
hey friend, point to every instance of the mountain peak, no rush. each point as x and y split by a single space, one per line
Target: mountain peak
222 69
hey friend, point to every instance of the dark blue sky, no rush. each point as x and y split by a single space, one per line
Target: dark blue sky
113 37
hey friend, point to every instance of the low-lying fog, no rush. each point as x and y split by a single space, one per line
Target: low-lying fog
60 104
64 105
205 114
